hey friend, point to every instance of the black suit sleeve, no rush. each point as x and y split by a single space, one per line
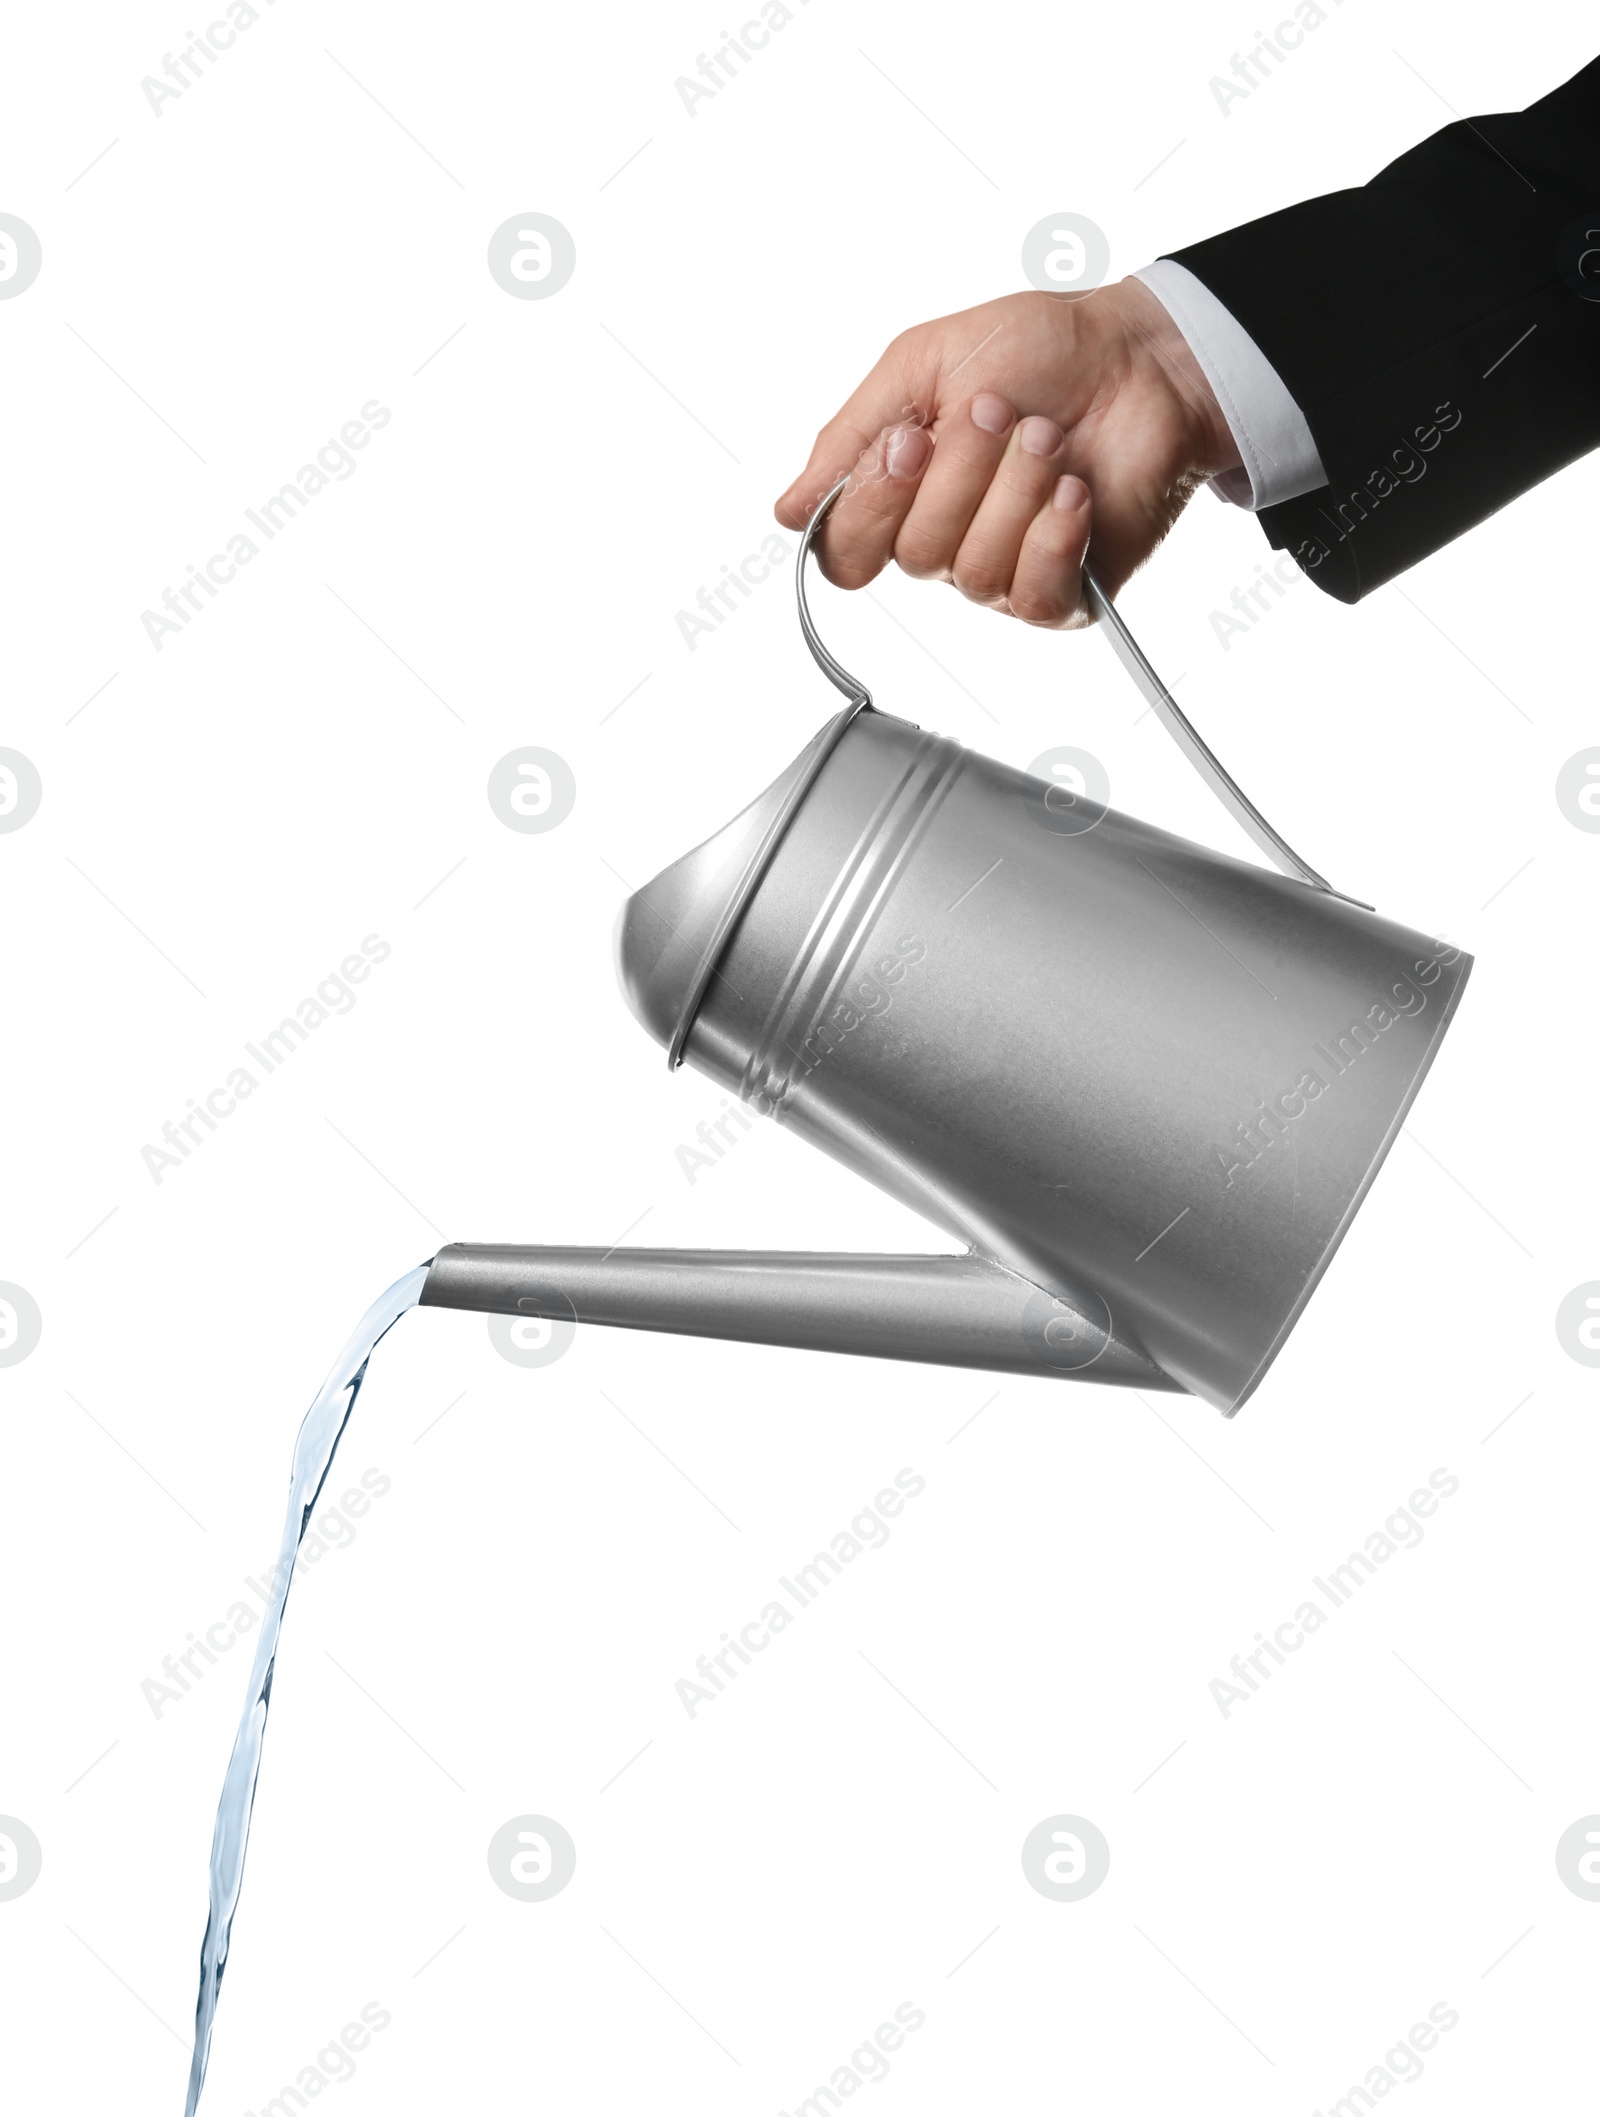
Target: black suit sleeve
1438 327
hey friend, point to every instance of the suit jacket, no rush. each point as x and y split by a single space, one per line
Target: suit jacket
1439 327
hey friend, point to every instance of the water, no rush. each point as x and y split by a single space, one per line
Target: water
314 1450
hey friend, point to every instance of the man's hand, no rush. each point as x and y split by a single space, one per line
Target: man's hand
984 447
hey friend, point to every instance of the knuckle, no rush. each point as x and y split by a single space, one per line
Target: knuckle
925 558
1034 606
980 580
847 569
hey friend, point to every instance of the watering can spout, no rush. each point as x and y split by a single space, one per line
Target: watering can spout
952 1311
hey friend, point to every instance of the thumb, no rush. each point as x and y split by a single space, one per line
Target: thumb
839 447
886 396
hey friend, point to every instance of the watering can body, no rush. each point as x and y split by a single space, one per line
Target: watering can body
1145 1085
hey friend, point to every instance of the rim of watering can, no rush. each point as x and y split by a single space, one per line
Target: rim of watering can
860 701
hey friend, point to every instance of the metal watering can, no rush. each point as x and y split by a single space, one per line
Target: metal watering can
1145 1084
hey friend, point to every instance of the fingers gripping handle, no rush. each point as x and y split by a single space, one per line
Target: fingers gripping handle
1133 659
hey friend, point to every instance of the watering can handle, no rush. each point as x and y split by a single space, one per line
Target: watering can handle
841 679
1133 659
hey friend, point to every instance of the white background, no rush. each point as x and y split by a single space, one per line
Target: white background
1297 1884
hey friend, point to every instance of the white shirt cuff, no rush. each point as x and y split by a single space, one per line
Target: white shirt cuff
1268 427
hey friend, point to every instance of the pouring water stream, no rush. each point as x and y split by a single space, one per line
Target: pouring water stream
320 1433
